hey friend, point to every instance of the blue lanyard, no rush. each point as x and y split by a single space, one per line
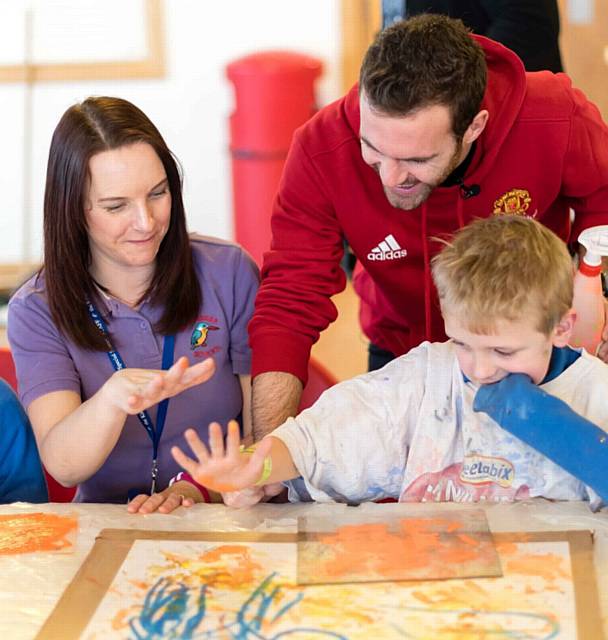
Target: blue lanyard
118 364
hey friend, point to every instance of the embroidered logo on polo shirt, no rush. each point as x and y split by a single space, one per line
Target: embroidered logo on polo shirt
513 202
200 336
388 249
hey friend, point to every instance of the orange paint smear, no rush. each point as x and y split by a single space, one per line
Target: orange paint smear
473 542
227 550
467 594
210 483
225 566
32 532
544 565
121 619
419 544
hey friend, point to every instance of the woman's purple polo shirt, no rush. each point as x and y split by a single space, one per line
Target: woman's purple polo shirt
47 362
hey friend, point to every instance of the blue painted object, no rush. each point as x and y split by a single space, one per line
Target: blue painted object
21 476
550 426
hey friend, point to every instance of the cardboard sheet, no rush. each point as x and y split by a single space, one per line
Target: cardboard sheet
155 583
435 546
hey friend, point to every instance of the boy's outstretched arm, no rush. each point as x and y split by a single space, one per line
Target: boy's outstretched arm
229 468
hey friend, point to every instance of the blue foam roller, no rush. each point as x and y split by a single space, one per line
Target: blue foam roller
550 426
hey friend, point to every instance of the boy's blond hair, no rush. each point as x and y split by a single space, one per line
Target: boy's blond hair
504 267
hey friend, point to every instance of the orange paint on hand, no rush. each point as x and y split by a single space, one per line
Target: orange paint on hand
28 533
210 483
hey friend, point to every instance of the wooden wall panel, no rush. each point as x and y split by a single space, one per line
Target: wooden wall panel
585 52
361 20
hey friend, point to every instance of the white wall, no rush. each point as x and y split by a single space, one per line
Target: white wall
190 106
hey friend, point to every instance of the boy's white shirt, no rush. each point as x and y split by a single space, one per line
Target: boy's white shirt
408 431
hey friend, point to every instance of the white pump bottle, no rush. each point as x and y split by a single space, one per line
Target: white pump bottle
588 296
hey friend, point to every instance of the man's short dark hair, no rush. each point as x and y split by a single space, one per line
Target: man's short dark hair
423 61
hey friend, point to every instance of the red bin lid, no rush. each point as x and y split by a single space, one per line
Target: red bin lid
282 63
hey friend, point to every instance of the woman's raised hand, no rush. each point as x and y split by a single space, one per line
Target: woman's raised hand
219 468
133 390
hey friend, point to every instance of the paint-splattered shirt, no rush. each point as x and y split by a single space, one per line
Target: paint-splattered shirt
408 431
47 362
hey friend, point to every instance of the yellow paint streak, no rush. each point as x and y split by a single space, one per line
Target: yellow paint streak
227 566
324 603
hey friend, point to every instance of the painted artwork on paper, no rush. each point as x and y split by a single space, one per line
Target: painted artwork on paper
36 532
248 591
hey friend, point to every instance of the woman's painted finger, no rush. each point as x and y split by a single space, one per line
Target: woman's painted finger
173 376
200 372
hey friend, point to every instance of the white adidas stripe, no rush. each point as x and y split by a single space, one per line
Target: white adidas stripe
388 244
392 243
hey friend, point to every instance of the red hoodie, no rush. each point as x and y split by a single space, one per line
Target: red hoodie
544 150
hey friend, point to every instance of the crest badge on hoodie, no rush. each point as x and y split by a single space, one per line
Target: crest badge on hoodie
514 202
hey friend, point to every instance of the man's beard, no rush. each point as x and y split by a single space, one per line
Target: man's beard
409 202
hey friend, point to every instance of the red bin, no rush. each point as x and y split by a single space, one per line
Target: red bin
274 93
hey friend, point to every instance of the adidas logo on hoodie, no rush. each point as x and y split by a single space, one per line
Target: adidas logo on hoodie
388 249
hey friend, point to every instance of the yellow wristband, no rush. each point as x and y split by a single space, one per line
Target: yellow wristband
266 469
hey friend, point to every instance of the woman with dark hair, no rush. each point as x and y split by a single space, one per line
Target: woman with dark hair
125 315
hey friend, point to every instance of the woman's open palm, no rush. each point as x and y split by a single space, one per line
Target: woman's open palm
133 390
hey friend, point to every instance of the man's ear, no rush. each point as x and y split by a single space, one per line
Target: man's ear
476 127
563 329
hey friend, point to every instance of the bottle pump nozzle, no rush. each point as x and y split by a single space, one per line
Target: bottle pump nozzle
588 299
595 241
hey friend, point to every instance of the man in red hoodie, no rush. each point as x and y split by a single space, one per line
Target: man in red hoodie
442 128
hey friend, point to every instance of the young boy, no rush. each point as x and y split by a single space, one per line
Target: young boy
409 431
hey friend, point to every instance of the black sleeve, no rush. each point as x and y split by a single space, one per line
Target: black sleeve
528 27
